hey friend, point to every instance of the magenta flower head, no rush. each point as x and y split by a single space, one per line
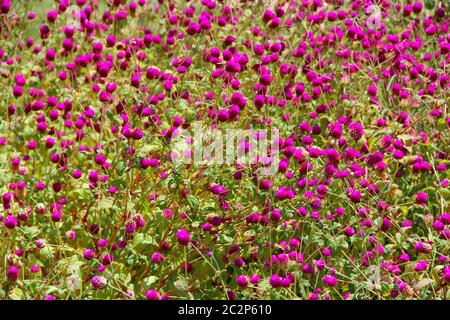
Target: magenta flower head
88 254
421 198
404 257
275 215
40 243
140 221
285 282
275 280
446 274
255 279
242 281
5 6
193 29
17 91
314 296
102 243
423 247
110 40
34 269
417 7
77 174
107 259
330 281
130 227
71 234
100 159
421 266
99 283
355 196
52 16
12 274
157 257
372 91
10 222
349 231
50 54
152 295
56 216
183 237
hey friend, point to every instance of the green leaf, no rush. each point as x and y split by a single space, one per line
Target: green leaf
106 203
193 202
17 294
47 252
180 285
31 231
149 281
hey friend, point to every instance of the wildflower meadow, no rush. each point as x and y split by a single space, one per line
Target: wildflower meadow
207 149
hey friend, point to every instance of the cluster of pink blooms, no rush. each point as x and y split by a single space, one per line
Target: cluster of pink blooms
93 91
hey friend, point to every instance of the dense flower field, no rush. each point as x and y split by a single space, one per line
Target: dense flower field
95 205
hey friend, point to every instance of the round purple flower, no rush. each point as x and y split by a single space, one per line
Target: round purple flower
275 280
10 222
242 281
157 257
88 254
421 198
330 281
255 279
12 274
421 266
152 295
99 283
183 237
